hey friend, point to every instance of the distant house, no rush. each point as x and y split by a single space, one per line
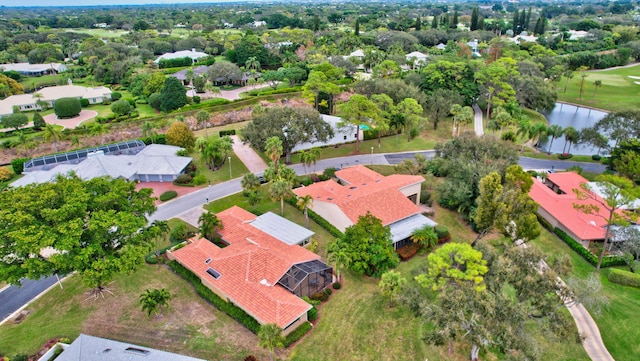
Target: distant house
556 200
441 46
29 102
198 70
392 199
259 24
263 269
153 163
91 348
242 79
27 69
193 54
417 58
342 133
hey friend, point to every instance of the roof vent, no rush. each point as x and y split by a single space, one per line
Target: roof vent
137 351
354 187
106 350
265 283
329 199
207 261
593 223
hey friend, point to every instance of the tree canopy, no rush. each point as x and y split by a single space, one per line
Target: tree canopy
95 228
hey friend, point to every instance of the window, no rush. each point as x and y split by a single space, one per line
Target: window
213 273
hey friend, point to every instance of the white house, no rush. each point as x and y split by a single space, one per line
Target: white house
342 133
29 102
193 54
419 59
27 69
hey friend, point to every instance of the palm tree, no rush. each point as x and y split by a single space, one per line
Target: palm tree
160 229
250 183
214 90
152 300
397 121
597 84
568 74
98 129
571 135
252 63
525 130
209 225
426 236
274 149
270 337
26 144
554 131
203 118
189 75
39 102
75 142
279 189
538 132
338 256
149 130
304 157
304 203
52 133
314 156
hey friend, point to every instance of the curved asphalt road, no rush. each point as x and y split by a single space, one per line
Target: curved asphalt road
12 298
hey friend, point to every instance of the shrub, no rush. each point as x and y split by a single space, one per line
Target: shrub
441 231
84 102
168 195
196 99
607 261
67 107
329 173
151 256
297 334
227 132
624 278
155 100
199 179
310 301
20 358
18 165
38 121
319 296
596 157
564 156
179 233
5 174
408 251
328 291
250 358
233 311
425 198
183 179
336 285
509 136
312 314
370 134
115 96
414 132
121 107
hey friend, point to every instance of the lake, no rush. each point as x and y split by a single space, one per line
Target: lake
566 115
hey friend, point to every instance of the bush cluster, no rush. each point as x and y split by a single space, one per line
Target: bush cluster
297 334
408 251
158 139
67 107
443 233
596 157
233 311
151 256
227 132
370 134
312 314
5 174
263 92
337 285
168 195
18 165
564 156
607 261
183 179
173 63
624 278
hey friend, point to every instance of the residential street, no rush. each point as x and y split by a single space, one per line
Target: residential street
13 298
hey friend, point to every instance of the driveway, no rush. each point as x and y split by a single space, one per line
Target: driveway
227 94
477 120
72 122
248 156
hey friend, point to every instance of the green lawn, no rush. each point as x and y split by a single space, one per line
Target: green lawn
100 33
618 91
618 324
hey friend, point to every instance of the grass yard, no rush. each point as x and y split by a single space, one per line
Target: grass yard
618 91
618 323
100 33
238 169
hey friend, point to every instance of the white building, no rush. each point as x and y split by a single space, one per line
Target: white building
342 133
27 69
29 102
419 59
193 54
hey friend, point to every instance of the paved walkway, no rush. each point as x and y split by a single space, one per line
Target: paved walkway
248 156
227 94
477 120
588 328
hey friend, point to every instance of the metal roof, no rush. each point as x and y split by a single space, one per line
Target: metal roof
403 228
90 348
281 228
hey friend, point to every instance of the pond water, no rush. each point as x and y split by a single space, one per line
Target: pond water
566 115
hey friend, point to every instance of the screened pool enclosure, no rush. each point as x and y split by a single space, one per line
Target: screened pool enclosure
307 278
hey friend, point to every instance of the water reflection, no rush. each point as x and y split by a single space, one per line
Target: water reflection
566 115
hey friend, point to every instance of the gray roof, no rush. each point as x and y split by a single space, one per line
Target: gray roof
281 228
90 348
198 70
403 228
155 159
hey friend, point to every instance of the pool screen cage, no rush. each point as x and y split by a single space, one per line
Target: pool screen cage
307 278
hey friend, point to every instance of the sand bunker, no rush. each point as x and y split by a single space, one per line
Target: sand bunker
634 77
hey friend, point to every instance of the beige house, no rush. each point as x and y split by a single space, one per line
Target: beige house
48 95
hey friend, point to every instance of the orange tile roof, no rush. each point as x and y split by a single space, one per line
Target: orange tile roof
366 191
249 268
561 206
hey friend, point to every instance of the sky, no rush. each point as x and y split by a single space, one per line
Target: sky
100 2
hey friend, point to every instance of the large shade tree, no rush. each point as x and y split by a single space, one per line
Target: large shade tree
96 228
360 112
293 126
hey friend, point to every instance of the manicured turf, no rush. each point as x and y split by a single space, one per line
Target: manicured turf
618 91
617 324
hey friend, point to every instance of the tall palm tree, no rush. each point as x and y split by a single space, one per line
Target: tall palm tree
52 133
203 118
538 132
426 236
270 337
304 157
252 63
571 136
250 183
304 203
98 129
209 225
274 150
314 156
338 257
160 229
554 131
26 143
279 189
189 75
397 121
597 84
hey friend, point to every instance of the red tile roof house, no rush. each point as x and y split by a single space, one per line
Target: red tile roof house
262 274
556 200
392 199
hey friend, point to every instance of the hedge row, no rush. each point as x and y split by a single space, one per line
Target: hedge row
151 256
271 91
168 195
319 220
222 133
608 261
297 334
233 311
624 278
